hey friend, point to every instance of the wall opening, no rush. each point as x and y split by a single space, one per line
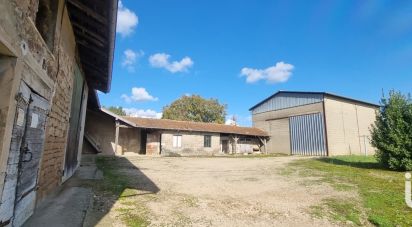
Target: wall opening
46 20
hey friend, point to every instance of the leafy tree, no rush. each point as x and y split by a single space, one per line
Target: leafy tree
195 108
392 132
117 110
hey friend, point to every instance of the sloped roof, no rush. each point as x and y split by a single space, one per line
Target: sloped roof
194 126
94 27
318 93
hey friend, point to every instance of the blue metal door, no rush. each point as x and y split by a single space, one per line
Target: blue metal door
307 135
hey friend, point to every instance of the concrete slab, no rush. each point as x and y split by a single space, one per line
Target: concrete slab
67 209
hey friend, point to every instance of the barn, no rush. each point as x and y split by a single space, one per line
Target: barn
315 123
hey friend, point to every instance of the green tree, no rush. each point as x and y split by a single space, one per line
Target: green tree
392 132
195 108
117 110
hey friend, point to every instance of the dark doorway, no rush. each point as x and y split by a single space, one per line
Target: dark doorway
225 146
143 141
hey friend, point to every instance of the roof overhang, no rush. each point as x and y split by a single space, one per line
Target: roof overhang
94 26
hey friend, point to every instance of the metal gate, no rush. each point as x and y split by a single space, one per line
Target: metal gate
307 135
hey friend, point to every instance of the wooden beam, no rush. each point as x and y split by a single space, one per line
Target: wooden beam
99 37
88 11
86 45
116 138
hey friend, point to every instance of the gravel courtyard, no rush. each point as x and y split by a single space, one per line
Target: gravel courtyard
215 191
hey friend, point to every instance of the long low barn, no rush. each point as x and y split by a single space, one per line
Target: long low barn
110 134
315 123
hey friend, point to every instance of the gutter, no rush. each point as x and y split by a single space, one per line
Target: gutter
112 38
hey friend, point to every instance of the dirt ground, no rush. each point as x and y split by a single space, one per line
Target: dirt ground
217 192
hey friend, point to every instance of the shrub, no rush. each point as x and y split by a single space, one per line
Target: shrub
392 132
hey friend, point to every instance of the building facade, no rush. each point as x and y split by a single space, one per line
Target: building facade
315 123
167 137
50 51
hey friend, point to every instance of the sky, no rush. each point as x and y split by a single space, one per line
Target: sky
242 51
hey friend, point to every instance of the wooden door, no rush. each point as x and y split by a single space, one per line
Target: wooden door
27 147
225 146
75 126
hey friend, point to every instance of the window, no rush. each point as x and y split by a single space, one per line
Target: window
46 20
208 141
177 141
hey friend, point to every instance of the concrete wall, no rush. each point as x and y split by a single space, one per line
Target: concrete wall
276 123
48 71
280 141
347 125
102 129
192 143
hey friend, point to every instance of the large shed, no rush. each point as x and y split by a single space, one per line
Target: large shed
315 123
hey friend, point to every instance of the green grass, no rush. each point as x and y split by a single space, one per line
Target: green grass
381 191
339 211
116 184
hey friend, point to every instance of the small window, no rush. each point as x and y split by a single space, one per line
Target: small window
46 20
177 141
208 141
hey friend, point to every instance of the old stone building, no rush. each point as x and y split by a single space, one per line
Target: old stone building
315 123
110 134
54 54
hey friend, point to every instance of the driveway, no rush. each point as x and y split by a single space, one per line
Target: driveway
217 192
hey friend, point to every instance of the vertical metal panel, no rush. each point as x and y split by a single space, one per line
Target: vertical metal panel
307 135
287 100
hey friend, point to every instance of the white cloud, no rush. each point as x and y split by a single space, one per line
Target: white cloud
278 73
129 59
139 94
127 20
161 60
133 112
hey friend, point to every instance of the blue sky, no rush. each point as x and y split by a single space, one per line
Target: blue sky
242 51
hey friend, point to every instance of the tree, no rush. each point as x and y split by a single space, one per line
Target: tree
195 108
392 132
117 110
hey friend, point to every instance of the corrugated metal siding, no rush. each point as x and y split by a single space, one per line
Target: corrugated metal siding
307 135
287 100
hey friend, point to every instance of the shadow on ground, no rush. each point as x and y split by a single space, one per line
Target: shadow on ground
121 180
356 164
88 197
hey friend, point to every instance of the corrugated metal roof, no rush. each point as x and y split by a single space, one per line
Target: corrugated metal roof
309 93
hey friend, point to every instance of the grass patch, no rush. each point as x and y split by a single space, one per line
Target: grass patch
339 211
132 213
381 191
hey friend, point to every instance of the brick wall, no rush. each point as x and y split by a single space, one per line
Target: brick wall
48 72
